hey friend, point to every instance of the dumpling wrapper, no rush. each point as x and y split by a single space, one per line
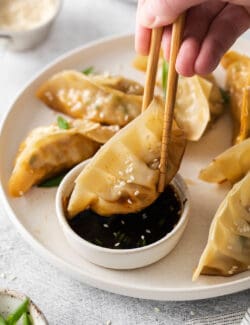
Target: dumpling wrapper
228 248
123 176
198 100
231 165
48 151
238 83
192 112
79 96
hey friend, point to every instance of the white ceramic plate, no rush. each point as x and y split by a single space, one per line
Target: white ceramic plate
34 214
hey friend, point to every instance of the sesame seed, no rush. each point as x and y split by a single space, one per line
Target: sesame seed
137 193
105 225
122 222
117 244
142 237
129 201
148 231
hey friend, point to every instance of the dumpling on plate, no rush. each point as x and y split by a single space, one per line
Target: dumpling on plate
231 165
79 96
228 248
48 151
123 175
198 100
192 112
238 83
216 101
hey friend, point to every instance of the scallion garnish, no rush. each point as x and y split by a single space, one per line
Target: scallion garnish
2 321
17 314
88 71
62 123
52 182
225 96
164 77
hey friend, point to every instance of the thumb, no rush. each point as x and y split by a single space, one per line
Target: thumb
156 13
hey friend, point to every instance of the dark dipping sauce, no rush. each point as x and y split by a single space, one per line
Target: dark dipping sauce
126 231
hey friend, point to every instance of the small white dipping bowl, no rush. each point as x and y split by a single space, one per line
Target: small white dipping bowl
121 258
10 300
21 40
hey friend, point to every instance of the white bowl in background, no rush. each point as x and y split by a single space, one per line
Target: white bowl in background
121 258
28 38
10 300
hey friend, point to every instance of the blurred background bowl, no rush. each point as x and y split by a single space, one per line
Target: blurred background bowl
21 40
10 300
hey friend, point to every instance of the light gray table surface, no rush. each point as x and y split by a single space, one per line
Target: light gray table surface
64 300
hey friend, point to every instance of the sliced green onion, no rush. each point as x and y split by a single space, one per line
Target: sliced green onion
88 71
52 182
164 77
62 123
17 314
225 96
2 321
26 319
98 242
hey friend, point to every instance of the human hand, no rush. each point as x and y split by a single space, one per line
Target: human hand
212 26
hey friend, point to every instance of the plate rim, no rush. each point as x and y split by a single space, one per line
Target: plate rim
162 294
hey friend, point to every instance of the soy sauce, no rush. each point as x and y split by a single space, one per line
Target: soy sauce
131 230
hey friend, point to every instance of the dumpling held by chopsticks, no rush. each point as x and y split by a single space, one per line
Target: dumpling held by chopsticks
123 176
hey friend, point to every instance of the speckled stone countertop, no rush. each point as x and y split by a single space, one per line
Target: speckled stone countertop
63 300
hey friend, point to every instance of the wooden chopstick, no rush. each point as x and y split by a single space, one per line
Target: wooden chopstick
152 66
177 32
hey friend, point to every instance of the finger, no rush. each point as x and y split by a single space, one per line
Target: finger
244 3
142 40
156 13
198 21
166 41
142 35
225 29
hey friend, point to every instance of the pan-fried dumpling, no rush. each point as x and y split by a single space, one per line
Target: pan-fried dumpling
198 100
123 176
231 165
48 151
192 111
228 248
238 83
79 96
216 101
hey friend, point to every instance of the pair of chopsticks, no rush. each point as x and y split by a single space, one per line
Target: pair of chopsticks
153 58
